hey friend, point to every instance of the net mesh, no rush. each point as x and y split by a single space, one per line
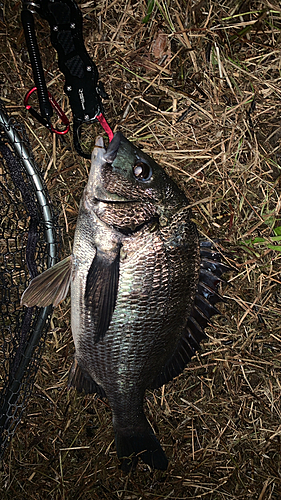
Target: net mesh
29 237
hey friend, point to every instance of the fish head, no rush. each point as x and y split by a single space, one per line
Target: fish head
123 172
125 179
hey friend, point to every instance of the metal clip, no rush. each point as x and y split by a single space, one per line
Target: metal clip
32 6
42 120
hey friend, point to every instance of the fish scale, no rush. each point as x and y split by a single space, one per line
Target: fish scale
142 290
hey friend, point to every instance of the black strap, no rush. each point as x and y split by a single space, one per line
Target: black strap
35 59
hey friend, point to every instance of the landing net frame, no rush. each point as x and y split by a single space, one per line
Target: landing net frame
29 243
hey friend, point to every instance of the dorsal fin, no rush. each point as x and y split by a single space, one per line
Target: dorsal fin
203 309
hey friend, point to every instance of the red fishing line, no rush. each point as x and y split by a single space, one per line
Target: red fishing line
105 126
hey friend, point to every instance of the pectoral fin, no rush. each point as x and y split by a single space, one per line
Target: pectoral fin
50 287
101 291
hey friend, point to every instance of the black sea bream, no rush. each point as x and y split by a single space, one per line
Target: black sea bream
141 293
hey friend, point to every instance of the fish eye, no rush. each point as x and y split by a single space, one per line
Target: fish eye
142 171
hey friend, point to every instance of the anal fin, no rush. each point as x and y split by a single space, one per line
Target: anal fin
82 381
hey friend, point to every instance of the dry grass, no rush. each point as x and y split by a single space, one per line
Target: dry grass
206 103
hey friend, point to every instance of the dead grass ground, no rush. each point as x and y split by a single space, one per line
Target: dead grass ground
197 86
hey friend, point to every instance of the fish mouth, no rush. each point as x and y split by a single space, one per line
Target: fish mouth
108 200
113 148
101 157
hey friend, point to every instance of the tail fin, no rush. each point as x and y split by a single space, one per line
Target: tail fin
131 446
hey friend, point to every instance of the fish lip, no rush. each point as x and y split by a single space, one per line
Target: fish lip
113 147
99 148
94 189
113 202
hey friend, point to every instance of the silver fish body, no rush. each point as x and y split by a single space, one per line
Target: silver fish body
157 251
134 274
